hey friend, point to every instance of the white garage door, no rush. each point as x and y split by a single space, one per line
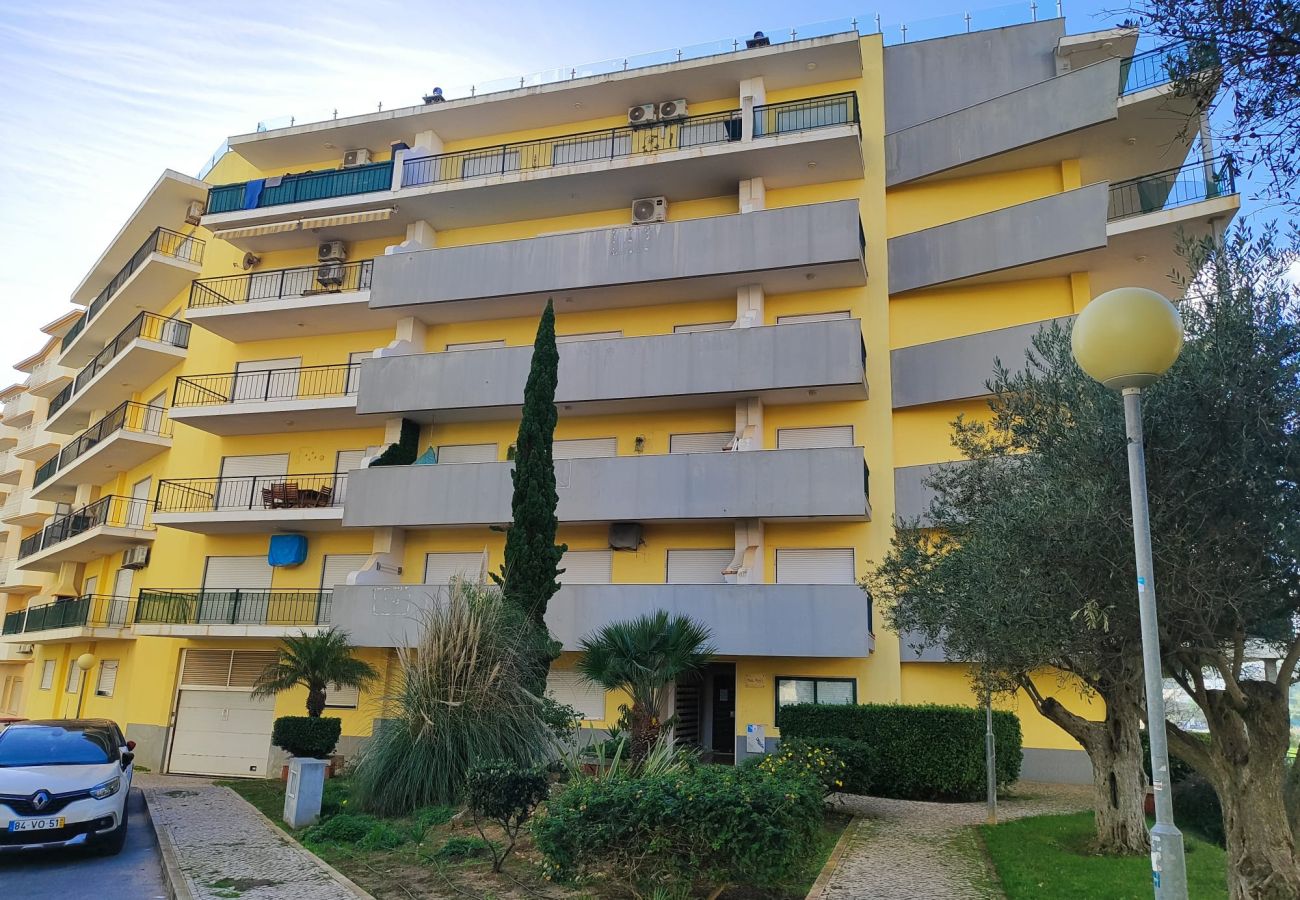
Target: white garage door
220 728
698 566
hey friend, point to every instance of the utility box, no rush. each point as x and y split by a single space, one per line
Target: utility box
755 738
304 792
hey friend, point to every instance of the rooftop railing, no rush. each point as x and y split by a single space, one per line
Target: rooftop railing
128 416
1173 188
233 607
298 383
276 284
88 610
162 240
122 512
147 326
1163 64
240 492
301 188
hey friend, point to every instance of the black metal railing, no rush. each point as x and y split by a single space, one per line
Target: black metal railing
319 185
276 284
236 492
88 610
233 607
1191 183
163 240
297 383
1163 65
128 416
123 512
805 115
146 326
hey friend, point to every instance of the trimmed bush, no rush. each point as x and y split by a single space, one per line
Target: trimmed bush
1197 808
859 761
920 752
307 736
335 796
712 825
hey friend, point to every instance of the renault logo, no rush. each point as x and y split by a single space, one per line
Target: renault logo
40 800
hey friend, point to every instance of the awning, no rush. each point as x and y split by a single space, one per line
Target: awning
369 215
231 234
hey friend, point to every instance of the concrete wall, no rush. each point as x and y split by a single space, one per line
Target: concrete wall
911 495
1070 222
150 744
1035 113
958 368
909 641
928 79
774 239
677 486
743 361
816 620
1055 766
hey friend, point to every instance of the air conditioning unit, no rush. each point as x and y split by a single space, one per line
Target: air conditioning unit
672 109
329 274
649 209
358 157
194 212
332 251
135 557
640 115
626 535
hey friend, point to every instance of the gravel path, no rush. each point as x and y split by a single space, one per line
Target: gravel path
225 848
906 850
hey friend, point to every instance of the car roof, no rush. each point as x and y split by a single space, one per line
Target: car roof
102 725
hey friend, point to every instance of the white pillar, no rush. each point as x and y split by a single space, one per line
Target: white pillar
749 306
408 339
420 235
384 566
749 424
752 93
753 195
747 567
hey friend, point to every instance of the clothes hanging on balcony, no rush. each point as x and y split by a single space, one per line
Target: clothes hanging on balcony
253 193
274 181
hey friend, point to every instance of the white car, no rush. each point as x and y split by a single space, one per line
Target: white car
64 782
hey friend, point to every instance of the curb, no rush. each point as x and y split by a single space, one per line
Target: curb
818 890
342 880
178 886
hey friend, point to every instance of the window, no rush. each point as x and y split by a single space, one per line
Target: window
812 317
833 691
467 453
815 566
47 675
568 687
74 676
700 442
588 336
107 678
810 438
338 697
476 345
702 326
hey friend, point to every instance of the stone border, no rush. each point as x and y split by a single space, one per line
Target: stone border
178 886
823 881
342 880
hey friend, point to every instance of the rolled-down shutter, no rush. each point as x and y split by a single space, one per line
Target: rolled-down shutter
235 669
584 448
107 678
698 566
701 442
467 453
570 688
344 462
243 477
702 326
813 317
267 379
587 567
476 345
441 568
228 573
807 438
338 697
815 566
337 566
588 336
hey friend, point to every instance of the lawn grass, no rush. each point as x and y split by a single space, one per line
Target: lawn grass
1050 858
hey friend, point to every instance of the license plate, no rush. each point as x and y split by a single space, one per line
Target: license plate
35 824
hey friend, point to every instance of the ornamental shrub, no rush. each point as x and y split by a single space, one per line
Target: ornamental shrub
345 828
707 826
1197 808
307 736
404 452
798 758
382 836
505 794
457 848
924 752
859 760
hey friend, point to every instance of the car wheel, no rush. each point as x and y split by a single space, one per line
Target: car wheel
112 843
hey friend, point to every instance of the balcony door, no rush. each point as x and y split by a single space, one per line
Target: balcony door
244 477
121 599
236 590
266 379
334 572
344 462
135 516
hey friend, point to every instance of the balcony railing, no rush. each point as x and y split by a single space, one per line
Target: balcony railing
1191 183
89 610
163 240
271 492
233 607
147 326
629 140
276 284
129 416
299 383
122 512
263 192
1163 65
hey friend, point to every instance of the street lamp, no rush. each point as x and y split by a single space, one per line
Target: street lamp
1126 339
84 662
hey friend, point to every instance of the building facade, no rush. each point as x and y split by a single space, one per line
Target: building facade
778 273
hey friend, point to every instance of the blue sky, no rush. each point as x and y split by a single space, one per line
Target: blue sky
101 97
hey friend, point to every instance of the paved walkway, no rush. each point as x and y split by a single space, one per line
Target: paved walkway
226 849
906 850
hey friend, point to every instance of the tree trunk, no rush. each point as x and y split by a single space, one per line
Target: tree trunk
1293 799
645 731
315 702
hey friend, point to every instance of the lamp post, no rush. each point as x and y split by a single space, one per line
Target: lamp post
1126 339
84 662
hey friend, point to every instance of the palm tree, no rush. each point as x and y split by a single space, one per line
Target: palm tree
643 656
315 661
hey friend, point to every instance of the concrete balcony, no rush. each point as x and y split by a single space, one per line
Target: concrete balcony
11 467
817 620
812 362
232 613
144 351
798 142
270 401
763 484
783 250
35 444
14 580
109 525
90 617
22 509
252 503
120 441
49 377
20 410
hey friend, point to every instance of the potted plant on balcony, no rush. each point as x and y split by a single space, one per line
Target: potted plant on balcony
313 661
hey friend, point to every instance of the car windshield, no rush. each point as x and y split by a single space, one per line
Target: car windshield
51 745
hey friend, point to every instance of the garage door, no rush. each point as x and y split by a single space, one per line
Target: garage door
220 729
815 566
698 566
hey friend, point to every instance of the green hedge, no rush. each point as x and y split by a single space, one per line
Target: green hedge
920 752
307 736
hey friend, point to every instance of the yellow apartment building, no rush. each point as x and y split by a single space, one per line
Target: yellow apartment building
779 273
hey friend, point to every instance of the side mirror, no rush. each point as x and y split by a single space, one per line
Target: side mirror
127 759
130 745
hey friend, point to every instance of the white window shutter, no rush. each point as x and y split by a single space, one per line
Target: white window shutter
813 317
809 438
441 568
229 573
698 566
815 566
339 697
584 448
587 567
467 453
107 678
701 442
47 675
570 688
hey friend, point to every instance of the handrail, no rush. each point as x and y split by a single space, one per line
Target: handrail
161 240
146 326
1172 188
1163 64
239 606
271 492
93 610
300 188
276 284
127 416
292 383
123 512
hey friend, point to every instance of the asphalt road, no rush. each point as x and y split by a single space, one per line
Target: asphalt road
134 874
